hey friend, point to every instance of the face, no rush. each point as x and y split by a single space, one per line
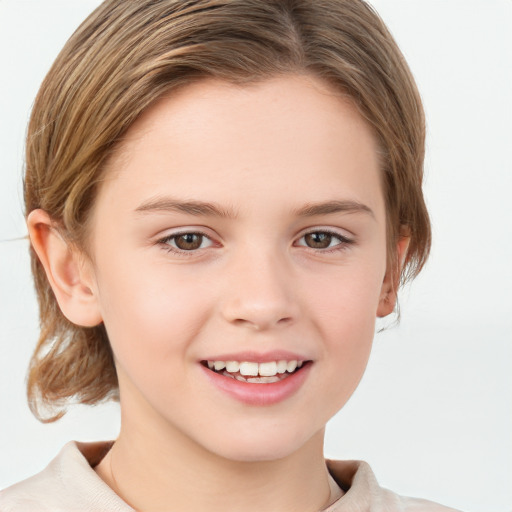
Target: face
239 234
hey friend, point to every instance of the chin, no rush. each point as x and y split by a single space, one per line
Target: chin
262 448
255 455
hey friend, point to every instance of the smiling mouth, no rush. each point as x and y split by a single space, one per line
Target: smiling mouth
256 373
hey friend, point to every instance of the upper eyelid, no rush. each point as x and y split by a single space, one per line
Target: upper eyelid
185 231
338 232
342 233
344 241
164 240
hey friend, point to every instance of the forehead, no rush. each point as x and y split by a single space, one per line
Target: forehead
286 139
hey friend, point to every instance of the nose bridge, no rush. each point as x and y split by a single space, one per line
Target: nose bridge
260 292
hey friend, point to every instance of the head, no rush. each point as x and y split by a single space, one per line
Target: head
128 58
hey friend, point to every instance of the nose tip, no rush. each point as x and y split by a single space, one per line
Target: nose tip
261 299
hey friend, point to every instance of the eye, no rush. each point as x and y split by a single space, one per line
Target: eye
323 240
186 242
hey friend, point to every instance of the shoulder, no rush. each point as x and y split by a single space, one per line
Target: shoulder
363 493
67 483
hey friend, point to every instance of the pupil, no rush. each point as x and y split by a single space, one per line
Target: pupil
318 240
189 241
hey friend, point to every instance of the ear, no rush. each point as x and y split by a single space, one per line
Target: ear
389 290
70 275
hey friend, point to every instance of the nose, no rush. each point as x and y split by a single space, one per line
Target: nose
260 293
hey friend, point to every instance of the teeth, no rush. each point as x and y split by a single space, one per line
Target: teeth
292 365
232 366
263 380
281 366
268 369
252 380
251 369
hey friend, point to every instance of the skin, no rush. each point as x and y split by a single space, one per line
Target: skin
260 153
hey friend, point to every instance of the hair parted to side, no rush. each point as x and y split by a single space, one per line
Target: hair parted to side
128 53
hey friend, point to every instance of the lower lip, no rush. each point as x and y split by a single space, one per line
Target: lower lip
259 394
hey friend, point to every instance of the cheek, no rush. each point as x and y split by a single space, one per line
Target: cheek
346 313
151 319
349 298
348 327
150 314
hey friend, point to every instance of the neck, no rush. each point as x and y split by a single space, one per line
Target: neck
150 471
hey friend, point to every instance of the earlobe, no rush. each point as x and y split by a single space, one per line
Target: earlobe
389 290
65 270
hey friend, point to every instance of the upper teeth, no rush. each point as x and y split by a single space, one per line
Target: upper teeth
268 369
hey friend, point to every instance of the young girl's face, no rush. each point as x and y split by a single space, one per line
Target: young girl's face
241 225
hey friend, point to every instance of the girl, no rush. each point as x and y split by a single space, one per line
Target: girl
221 198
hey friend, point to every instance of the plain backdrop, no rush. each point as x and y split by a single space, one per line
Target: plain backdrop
433 414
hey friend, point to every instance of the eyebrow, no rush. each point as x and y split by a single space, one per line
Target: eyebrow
197 208
329 207
206 209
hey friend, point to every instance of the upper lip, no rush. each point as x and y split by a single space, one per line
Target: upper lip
258 357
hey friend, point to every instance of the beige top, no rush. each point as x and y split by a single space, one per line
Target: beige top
69 484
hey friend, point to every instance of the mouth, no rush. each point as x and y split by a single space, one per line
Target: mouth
256 373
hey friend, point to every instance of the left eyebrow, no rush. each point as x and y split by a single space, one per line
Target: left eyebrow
329 207
196 208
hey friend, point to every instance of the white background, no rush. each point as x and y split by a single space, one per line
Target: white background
433 414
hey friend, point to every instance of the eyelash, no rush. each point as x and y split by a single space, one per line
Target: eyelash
165 243
343 244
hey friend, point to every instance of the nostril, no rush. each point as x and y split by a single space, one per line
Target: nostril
262 323
260 305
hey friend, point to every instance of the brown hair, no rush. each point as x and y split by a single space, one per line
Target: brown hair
125 55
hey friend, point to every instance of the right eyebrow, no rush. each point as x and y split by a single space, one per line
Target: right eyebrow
196 208
330 207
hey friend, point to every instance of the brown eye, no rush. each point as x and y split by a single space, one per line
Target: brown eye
318 240
188 241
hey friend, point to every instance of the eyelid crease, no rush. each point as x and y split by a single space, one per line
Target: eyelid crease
340 233
184 232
